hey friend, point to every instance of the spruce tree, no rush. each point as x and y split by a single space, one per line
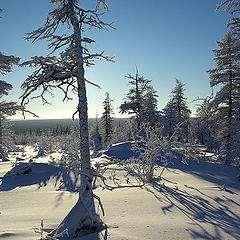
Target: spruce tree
134 100
107 116
226 103
176 114
150 112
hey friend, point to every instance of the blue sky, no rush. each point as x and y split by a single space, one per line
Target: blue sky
164 39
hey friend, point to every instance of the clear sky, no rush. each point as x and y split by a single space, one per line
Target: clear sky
164 39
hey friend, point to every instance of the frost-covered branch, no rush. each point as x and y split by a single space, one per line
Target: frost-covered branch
89 57
7 62
51 73
61 14
229 5
4 88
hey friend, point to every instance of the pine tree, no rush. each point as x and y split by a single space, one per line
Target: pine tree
66 73
176 114
107 116
135 97
226 103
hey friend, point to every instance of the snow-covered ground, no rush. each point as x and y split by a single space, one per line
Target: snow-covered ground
194 201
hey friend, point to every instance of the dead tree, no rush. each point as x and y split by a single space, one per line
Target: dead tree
66 73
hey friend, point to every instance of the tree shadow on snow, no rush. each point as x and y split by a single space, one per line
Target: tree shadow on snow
40 175
211 172
214 173
101 235
201 209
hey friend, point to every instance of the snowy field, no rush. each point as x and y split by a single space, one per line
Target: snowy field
194 201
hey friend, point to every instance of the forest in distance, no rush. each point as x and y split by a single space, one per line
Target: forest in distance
23 126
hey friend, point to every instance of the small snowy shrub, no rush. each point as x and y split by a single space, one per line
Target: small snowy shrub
70 151
45 144
152 148
155 149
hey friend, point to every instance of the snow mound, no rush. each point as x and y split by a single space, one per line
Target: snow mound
121 151
19 169
27 174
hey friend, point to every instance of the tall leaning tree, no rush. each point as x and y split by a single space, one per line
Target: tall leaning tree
66 72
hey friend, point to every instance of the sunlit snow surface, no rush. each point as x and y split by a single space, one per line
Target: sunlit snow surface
194 201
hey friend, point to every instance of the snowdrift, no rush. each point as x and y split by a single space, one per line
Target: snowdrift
191 201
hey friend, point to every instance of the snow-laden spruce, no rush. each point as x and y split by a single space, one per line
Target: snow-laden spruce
226 103
150 113
134 100
66 73
176 114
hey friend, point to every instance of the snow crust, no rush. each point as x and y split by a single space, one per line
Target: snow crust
194 201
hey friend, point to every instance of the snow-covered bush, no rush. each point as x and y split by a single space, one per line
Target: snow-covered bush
45 143
152 148
156 150
70 158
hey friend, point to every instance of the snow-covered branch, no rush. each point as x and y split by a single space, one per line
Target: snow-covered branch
88 59
4 88
51 73
7 62
61 14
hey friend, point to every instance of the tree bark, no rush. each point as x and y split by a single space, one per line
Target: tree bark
82 219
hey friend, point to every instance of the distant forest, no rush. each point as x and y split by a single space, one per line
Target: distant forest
23 126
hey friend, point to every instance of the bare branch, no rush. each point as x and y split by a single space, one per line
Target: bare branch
73 116
94 84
